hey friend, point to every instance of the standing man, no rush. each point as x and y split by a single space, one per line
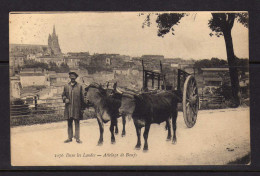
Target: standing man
73 98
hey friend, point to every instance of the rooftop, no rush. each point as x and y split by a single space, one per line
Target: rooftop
31 74
215 69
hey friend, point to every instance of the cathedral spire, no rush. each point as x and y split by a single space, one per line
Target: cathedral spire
53 43
54 32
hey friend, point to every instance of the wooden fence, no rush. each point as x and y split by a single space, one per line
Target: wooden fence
33 106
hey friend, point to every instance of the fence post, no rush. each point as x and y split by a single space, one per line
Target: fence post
35 103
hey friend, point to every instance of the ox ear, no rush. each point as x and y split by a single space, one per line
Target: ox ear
115 86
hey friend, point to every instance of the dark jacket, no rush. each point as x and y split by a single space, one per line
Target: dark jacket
76 104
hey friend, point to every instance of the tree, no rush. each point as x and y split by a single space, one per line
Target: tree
53 67
213 63
221 24
64 68
34 64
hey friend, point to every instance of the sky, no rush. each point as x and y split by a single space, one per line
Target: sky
122 33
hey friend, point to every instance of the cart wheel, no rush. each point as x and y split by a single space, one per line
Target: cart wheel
190 101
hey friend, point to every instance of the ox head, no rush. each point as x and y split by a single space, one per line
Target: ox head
128 104
93 94
111 92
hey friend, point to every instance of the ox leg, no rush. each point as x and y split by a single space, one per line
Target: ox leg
112 124
138 133
116 130
146 132
101 129
168 124
174 126
166 127
123 121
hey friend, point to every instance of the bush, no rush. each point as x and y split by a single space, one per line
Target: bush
17 101
36 119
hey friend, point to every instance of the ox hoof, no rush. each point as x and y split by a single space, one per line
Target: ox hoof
145 149
99 143
138 147
123 134
174 142
113 141
116 131
168 138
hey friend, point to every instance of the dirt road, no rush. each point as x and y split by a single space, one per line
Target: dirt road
218 137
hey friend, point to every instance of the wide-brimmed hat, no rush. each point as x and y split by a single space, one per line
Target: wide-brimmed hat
73 73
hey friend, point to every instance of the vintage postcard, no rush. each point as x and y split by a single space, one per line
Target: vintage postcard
129 88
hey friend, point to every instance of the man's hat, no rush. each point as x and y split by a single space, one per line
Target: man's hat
73 73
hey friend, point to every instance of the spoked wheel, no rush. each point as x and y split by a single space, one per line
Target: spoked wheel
190 101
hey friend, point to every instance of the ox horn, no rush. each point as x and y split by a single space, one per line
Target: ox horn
119 91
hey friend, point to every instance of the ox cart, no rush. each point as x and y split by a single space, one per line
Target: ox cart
187 91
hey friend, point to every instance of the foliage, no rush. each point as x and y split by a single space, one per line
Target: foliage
220 24
242 64
64 68
35 64
225 91
17 101
94 67
165 22
52 66
212 63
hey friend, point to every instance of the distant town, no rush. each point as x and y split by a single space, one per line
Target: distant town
42 70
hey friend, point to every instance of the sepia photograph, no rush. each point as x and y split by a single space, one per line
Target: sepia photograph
158 88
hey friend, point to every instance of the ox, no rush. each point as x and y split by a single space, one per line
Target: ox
148 108
106 104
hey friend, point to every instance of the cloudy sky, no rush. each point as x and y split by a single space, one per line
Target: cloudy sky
122 32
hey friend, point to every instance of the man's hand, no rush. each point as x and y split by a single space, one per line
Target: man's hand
67 100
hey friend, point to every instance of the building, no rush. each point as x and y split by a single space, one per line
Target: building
15 87
16 61
49 59
153 57
62 78
108 60
78 54
121 71
72 62
215 76
53 43
26 49
31 70
51 77
33 77
152 62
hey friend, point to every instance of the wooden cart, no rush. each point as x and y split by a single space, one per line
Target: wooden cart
187 90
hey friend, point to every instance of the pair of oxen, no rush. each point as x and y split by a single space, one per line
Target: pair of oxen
144 108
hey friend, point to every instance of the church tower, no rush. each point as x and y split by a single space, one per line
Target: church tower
53 43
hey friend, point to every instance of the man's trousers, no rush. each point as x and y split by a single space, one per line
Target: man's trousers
70 128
